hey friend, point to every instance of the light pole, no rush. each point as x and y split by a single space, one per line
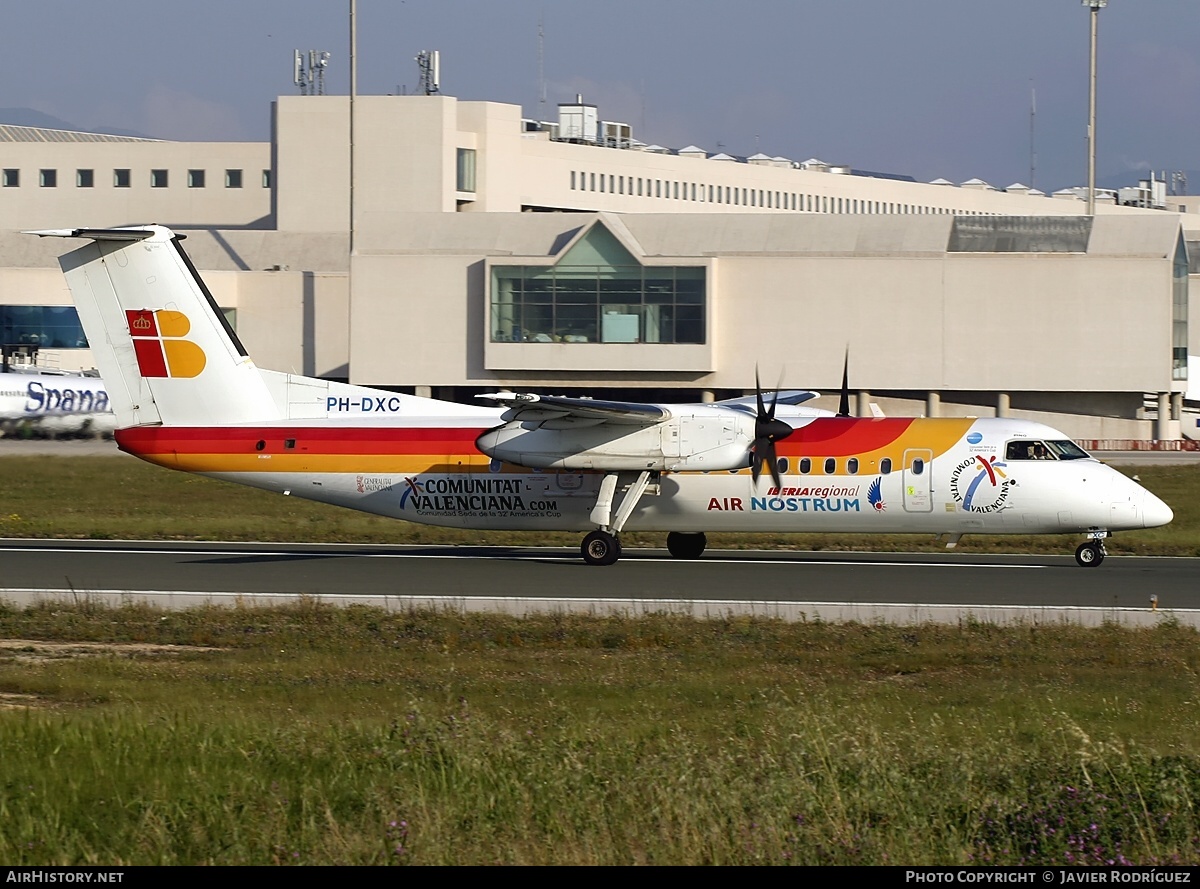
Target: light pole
1095 6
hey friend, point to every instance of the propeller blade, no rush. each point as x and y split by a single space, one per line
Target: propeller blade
844 404
767 431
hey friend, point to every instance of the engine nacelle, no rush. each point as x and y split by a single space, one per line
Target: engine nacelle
683 443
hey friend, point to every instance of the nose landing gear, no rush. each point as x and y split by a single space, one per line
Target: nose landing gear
601 548
1090 553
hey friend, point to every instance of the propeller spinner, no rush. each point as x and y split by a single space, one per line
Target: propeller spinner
767 431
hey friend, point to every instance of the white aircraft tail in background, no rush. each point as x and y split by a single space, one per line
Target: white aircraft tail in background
54 405
187 396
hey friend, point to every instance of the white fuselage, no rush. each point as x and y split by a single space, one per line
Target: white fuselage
957 489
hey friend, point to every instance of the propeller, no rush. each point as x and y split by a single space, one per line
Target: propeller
767 431
844 404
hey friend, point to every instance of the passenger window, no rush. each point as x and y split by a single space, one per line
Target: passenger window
830 466
918 466
805 465
783 464
885 466
852 466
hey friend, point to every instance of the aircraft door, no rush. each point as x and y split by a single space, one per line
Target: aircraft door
918 480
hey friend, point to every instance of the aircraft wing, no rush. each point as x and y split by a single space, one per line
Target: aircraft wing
783 396
523 407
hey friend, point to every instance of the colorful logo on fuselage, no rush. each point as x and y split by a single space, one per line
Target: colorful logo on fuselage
970 490
414 487
875 495
160 345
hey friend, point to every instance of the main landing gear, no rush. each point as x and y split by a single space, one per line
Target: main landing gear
603 546
686 546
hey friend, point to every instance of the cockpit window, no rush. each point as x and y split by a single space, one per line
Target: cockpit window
1029 450
1067 450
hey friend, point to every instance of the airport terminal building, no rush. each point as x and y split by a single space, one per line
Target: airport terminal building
490 252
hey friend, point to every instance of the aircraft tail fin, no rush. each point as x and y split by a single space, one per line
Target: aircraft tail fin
166 352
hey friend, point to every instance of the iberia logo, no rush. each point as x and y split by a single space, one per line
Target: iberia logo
158 342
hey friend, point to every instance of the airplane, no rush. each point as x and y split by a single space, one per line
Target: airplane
54 404
187 396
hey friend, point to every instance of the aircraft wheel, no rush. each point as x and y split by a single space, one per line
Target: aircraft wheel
686 546
600 548
1090 554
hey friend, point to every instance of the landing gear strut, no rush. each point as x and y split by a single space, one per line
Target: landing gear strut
602 546
686 546
1090 553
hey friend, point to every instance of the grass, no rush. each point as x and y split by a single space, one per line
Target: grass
316 735
106 498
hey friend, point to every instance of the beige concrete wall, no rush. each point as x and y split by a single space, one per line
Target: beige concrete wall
69 206
405 154
291 321
979 322
1061 322
312 163
405 150
416 321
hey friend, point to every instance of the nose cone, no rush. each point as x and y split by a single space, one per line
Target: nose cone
1155 512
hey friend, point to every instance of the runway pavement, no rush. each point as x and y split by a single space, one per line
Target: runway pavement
798 586
904 588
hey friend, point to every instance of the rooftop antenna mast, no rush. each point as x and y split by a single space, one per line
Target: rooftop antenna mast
299 75
429 64
311 80
541 71
318 60
1032 119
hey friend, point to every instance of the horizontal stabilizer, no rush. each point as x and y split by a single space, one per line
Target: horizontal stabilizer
136 233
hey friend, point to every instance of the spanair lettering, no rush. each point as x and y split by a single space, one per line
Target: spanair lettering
683 468
54 404
41 398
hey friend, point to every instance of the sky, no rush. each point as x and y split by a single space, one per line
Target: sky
925 88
